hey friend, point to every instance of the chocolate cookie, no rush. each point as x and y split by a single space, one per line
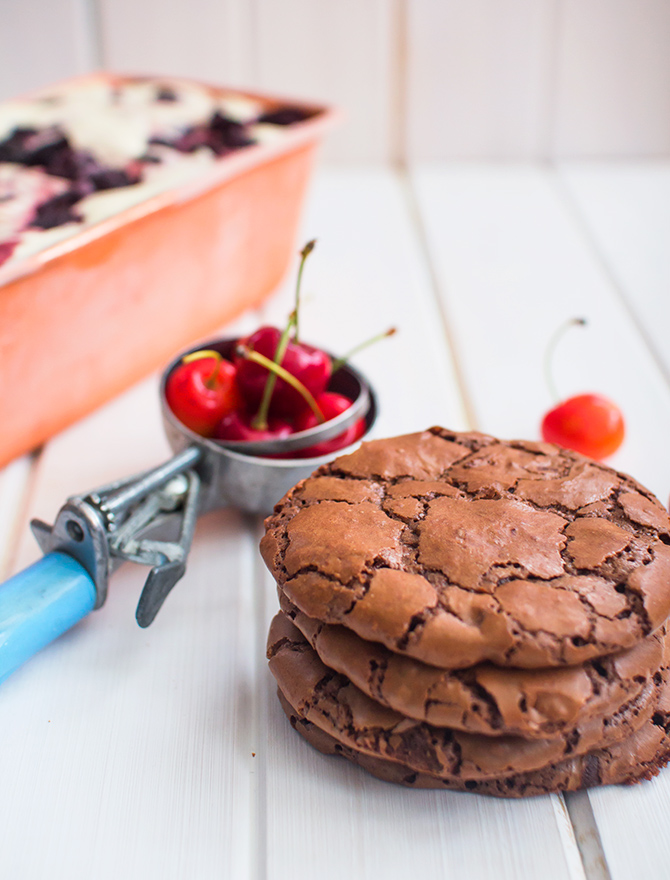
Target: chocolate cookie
532 703
634 759
460 548
329 700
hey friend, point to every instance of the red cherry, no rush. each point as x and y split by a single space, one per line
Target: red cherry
588 423
331 405
200 392
237 426
309 365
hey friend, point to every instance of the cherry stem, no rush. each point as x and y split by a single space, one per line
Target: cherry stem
210 381
304 253
341 361
260 421
279 371
551 348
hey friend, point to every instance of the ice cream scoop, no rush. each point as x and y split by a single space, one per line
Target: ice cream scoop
150 518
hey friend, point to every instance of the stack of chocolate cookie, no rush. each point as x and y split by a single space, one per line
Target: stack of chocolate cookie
462 612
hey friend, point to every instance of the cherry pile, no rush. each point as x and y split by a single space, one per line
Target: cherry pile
275 385
587 423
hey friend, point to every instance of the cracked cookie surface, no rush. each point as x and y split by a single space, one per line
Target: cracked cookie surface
532 703
456 549
331 702
638 757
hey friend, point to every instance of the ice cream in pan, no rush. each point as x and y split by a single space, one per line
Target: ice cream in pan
75 156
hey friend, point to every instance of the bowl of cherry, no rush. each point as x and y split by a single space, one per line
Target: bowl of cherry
265 410
250 467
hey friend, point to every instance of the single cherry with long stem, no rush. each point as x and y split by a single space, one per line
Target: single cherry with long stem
587 423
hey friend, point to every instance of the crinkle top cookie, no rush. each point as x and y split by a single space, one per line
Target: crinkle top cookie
488 699
456 548
340 709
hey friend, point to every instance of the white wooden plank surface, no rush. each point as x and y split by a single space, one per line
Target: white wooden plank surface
633 826
128 752
42 41
206 40
428 79
612 79
344 53
513 265
368 270
340 53
625 209
625 213
479 78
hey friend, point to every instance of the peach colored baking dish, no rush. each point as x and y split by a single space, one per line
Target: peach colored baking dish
87 317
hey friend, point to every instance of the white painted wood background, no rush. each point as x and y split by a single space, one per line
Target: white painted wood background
419 79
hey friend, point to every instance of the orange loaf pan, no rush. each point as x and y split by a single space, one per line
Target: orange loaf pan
85 318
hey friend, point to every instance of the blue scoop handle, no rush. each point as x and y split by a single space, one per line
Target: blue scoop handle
40 603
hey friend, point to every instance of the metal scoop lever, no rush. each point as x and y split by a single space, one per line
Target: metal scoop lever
111 524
